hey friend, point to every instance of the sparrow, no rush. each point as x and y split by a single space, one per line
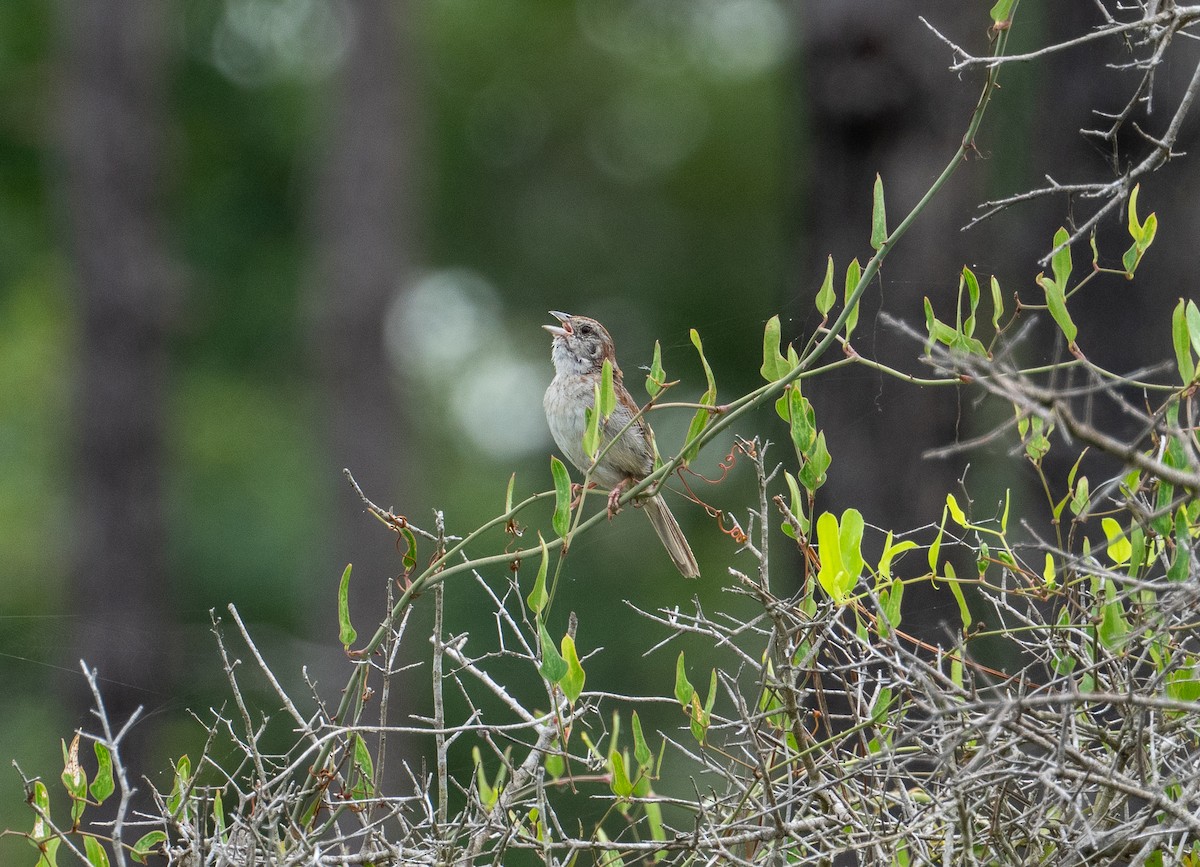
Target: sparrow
579 349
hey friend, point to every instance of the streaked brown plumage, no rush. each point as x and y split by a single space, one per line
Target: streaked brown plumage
580 347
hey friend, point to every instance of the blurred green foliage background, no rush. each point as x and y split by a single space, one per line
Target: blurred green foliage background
658 165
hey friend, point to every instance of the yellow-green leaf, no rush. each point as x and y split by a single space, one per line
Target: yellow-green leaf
1119 548
963 611
955 511
346 632
832 574
572 681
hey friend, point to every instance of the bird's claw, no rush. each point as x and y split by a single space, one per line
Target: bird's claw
614 496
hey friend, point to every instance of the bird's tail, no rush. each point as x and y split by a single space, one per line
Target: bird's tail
672 537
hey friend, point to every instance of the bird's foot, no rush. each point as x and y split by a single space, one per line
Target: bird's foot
613 496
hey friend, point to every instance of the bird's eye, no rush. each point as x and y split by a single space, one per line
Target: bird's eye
585 329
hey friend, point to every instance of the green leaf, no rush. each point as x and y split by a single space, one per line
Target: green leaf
683 687
853 275
802 420
708 374
702 716
1183 685
939 332
40 799
1079 501
963 611
96 855
1182 342
1149 230
997 303
825 297
890 598
796 506
972 284
816 462
709 398
1061 262
553 667
1141 233
878 215
487 793
1037 444
591 427
891 552
1057 303
555 766
618 779
363 787
572 681
144 847
102 784
1130 260
1113 626
562 497
1001 11
346 633
410 552
1178 570
508 494
608 397
774 365
1192 315
1135 226
218 814
74 780
538 597
657 377
641 750
183 781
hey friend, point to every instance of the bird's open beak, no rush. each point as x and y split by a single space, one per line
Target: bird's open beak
559 330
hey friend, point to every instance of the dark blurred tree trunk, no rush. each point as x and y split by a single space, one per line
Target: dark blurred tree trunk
363 220
113 59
